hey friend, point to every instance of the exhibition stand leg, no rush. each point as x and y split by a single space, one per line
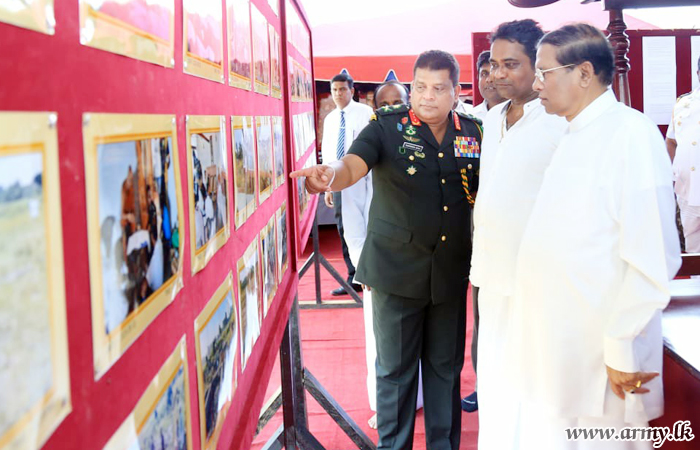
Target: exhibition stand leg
317 259
294 431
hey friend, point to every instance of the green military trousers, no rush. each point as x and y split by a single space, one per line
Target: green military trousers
408 330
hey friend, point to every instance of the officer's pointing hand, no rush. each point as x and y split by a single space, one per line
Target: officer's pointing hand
318 178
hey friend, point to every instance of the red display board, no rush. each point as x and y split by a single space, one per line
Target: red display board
78 82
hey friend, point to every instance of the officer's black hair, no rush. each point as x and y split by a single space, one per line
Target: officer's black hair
580 42
343 77
482 59
386 83
438 60
526 32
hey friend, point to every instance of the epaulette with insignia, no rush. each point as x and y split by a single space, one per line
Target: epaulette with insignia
470 117
389 110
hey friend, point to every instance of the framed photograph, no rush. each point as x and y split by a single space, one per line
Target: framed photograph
134 210
249 300
265 163
278 146
268 249
35 394
244 165
216 336
161 418
37 15
282 241
275 64
240 61
203 46
261 51
208 187
139 29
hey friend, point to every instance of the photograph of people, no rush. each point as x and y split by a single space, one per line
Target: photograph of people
210 186
139 223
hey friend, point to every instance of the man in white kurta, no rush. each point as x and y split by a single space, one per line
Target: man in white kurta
519 139
597 254
683 142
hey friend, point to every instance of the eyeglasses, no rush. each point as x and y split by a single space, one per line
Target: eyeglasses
539 73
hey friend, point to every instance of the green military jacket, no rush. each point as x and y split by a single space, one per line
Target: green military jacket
418 241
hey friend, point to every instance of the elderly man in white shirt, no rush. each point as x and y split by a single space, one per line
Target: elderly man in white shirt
519 141
340 128
596 258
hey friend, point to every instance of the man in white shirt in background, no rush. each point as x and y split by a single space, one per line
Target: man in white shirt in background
519 140
487 88
683 143
340 128
491 98
596 258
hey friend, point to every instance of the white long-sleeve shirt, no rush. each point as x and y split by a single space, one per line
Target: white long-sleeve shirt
355 204
593 270
357 117
512 165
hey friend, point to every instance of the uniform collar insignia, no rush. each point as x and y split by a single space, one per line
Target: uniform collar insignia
414 118
458 126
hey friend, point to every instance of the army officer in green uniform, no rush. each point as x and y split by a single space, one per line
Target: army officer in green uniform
425 159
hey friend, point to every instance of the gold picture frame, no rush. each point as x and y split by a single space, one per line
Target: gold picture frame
268 263
200 58
132 180
244 167
240 47
36 383
166 396
37 15
207 237
249 298
266 168
143 30
216 340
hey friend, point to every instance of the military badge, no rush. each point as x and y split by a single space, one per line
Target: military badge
404 120
399 127
411 170
419 154
466 147
411 139
386 108
411 131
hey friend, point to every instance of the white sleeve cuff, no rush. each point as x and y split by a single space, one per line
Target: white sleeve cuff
619 355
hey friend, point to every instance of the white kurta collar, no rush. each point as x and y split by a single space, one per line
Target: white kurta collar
593 110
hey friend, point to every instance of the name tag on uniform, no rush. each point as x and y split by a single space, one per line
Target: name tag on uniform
412 147
466 147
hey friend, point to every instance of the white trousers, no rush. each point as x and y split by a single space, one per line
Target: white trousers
690 218
371 356
499 406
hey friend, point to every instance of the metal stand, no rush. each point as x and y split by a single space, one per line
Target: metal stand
317 259
294 432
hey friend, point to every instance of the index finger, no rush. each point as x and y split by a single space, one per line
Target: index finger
300 173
